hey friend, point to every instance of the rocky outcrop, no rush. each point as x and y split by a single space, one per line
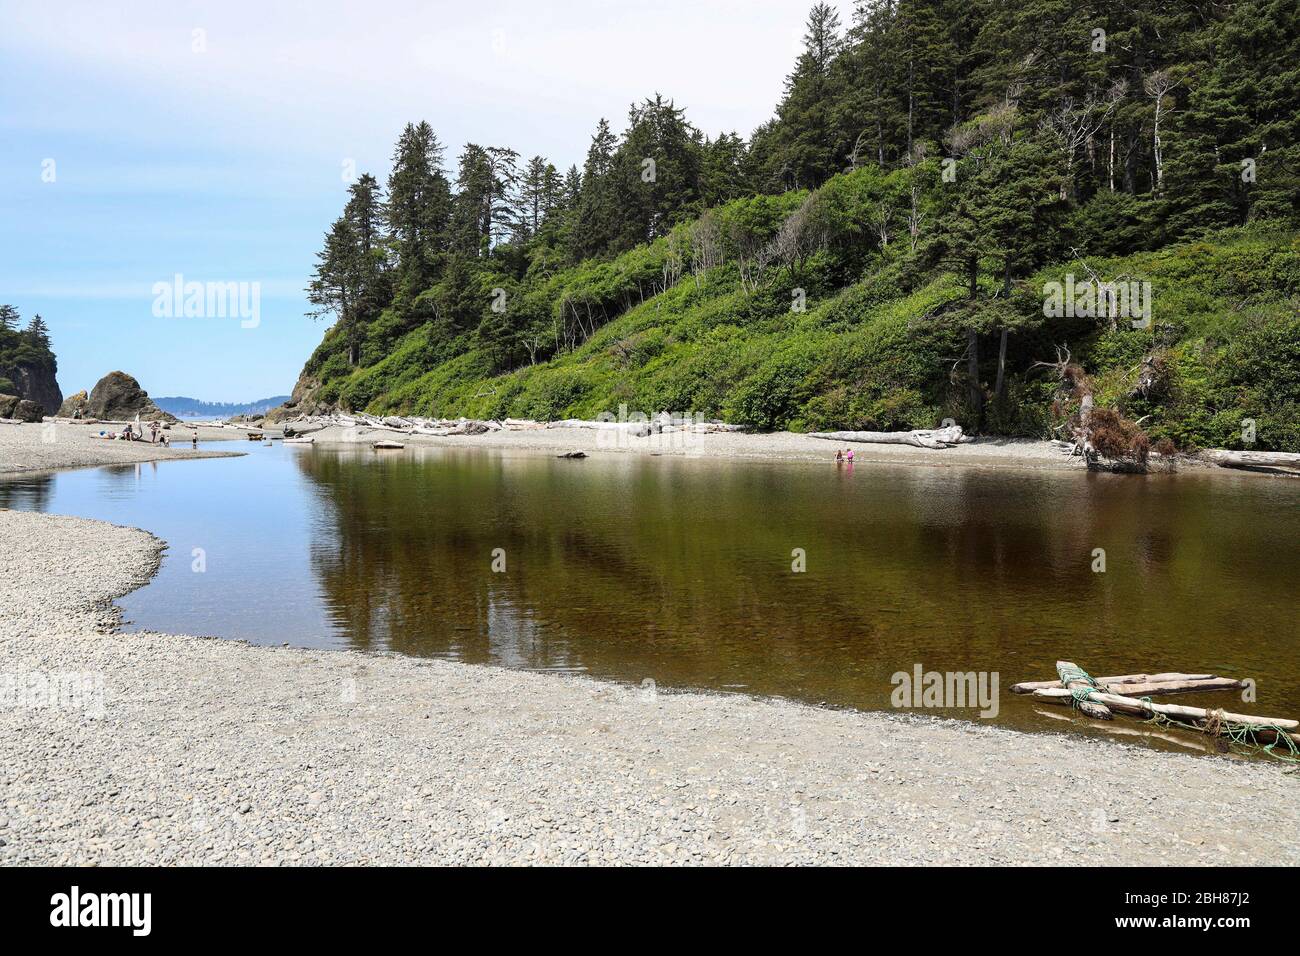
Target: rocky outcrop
75 406
36 382
118 397
29 411
21 409
301 402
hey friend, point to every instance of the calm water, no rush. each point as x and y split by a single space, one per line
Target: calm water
680 571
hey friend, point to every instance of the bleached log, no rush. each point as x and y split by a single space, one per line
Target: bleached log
1181 712
1264 460
636 429
293 428
1171 687
1119 684
921 438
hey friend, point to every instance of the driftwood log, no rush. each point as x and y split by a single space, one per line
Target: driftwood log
921 438
1280 462
1180 712
1143 685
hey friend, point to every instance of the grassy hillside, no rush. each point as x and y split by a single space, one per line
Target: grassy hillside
879 345
876 255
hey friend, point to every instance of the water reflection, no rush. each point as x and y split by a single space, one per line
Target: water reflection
28 494
681 571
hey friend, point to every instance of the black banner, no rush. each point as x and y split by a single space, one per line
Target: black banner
332 905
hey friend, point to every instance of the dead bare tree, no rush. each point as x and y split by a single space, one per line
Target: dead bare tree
882 218
1118 91
855 153
706 247
1158 85
799 236
1073 126
1105 289
914 219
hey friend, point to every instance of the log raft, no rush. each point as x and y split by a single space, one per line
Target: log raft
1103 697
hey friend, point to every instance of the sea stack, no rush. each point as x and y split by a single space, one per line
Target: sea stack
118 397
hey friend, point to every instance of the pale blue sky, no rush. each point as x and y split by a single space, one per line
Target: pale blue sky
224 163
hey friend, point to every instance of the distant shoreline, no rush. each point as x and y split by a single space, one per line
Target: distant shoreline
23 448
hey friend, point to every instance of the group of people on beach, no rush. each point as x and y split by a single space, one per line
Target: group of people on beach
843 456
157 435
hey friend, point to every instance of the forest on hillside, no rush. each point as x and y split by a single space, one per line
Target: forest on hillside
875 255
26 358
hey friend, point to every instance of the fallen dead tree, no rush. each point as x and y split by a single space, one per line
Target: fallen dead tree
1105 439
636 429
921 438
1274 462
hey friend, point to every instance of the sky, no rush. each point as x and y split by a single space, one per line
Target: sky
155 144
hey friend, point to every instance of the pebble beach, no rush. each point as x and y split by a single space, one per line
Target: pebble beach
148 748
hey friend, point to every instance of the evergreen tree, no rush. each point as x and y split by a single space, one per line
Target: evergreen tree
657 172
540 196
419 204
722 170
799 150
38 333
350 280
486 207
595 215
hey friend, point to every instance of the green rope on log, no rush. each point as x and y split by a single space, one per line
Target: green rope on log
1244 737
1074 673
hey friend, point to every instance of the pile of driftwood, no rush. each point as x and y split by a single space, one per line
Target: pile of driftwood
439 427
1103 697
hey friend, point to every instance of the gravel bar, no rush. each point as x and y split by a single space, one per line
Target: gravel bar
56 445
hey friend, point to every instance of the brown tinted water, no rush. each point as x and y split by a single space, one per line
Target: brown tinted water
680 571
